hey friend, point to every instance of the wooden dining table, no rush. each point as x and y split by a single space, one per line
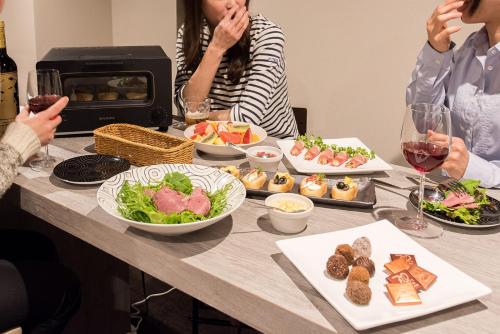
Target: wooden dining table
235 265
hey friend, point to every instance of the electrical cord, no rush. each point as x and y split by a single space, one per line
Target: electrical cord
137 313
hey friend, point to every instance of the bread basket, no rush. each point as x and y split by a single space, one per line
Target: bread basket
142 146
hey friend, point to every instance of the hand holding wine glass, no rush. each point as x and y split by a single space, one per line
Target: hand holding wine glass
45 122
458 159
44 90
425 142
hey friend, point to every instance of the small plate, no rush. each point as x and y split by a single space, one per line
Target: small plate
484 222
90 169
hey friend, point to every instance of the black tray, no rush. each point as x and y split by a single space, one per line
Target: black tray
365 198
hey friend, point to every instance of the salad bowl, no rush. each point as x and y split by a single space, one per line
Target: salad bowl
211 180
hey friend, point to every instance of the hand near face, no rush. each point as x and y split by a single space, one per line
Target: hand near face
44 123
230 29
438 31
458 158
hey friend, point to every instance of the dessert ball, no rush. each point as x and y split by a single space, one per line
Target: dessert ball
337 267
363 261
358 292
362 247
359 273
346 251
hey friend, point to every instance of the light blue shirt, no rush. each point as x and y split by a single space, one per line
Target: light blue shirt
467 81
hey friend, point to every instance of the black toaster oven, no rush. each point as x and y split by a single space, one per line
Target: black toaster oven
113 85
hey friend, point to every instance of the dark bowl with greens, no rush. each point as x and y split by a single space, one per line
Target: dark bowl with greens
472 209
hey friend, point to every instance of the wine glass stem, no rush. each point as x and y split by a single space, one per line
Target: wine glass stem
420 217
47 158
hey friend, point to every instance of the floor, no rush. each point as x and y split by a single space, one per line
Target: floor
172 313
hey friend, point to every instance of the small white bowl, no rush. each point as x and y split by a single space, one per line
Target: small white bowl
266 164
289 222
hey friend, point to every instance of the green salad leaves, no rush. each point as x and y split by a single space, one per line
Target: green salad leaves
468 216
134 203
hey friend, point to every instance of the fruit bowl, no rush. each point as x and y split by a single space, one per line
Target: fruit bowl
212 138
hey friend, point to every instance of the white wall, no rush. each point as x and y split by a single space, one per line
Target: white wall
146 22
72 23
21 42
349 63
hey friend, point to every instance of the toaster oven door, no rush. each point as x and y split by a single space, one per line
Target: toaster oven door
108 90
102 98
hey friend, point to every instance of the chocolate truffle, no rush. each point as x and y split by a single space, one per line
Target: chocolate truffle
362 247
346 251
358 292
337 267
359 273
363 261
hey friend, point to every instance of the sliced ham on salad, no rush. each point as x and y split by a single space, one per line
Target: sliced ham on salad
170 201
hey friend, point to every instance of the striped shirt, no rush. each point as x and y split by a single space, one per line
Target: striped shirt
261 95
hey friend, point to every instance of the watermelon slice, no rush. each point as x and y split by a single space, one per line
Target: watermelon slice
229 137
200 128
247 137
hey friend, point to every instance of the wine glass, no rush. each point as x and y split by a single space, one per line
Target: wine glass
44 89
425 142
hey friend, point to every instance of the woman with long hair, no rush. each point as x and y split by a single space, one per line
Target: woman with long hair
235 60
467 81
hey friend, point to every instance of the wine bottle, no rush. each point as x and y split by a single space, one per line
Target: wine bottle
9 99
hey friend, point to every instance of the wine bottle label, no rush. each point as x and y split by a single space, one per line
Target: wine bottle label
2 35
8 101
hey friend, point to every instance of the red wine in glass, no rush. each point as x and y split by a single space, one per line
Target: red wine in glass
42 102
423 156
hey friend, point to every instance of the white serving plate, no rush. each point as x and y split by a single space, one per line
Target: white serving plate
312 166
310 254
208 178
222 150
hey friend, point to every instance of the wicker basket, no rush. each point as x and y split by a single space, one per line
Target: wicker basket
142 146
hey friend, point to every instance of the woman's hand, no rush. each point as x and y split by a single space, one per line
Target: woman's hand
458 158
438 32
44 123
230 29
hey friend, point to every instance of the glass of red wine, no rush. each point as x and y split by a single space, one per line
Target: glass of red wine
425 142
44 89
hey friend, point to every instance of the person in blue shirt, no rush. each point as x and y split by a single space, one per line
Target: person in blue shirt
467 81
